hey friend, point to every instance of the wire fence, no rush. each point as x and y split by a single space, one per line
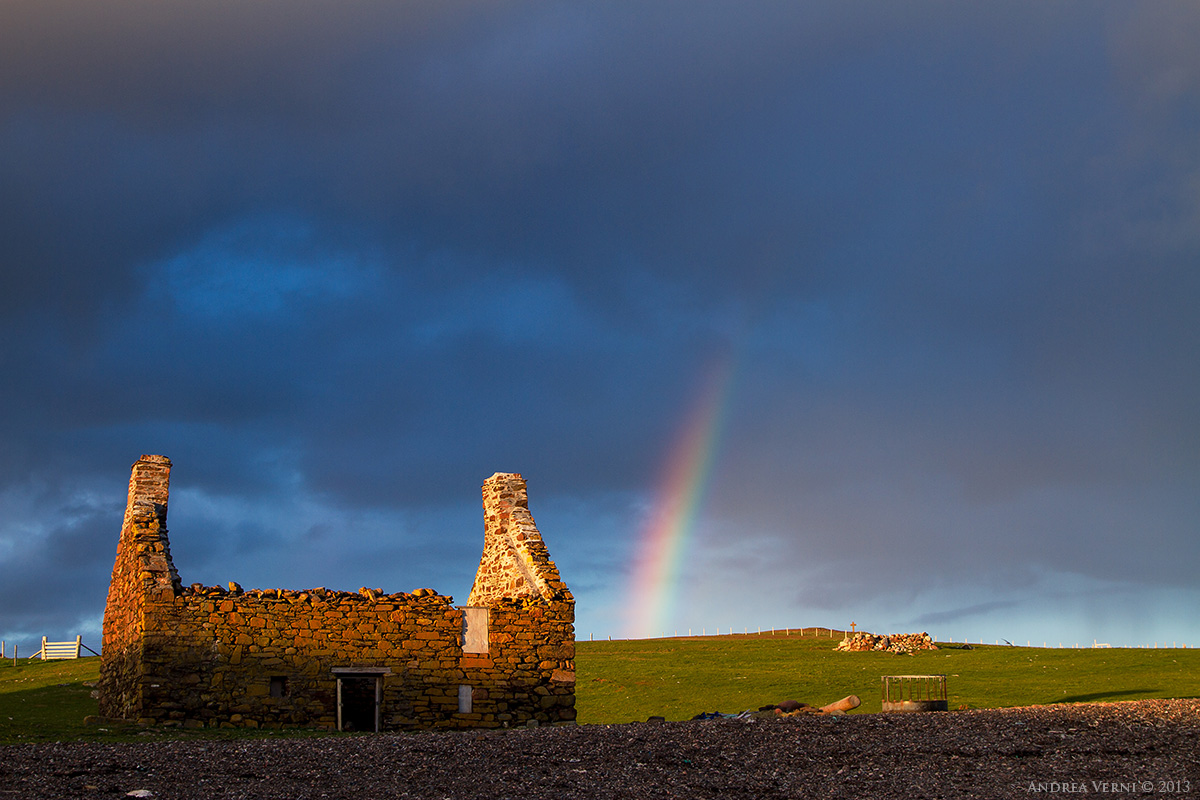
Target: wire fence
834 633
692 633
1049 645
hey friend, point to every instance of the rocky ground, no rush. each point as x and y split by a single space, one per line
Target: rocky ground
1149 747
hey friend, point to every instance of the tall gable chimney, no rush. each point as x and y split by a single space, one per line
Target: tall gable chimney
143 571
515 562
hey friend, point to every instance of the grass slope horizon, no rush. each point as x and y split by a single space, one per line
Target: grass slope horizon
677 678
631 680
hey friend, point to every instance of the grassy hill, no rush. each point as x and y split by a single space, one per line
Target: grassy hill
677 678
623 681
46 700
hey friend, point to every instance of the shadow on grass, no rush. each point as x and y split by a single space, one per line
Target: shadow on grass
1100 697
56 714
45 713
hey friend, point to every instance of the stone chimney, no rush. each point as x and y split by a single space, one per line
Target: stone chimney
143 571
515 563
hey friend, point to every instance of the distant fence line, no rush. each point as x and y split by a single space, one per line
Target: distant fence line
830 633
1076 646
44 654
833 633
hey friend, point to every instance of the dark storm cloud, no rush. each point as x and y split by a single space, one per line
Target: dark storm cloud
533 133
959 614
58 575
367 253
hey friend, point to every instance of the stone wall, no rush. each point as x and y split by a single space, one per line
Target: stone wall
209 656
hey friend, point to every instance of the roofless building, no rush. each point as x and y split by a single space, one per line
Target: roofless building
215 656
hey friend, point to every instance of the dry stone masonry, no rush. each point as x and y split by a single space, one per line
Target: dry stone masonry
216 656
515 561
892 643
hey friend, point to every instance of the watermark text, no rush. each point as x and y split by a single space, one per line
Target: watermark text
1168 786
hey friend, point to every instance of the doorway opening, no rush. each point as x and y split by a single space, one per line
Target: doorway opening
360 697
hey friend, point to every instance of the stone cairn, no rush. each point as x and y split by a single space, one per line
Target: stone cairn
892 643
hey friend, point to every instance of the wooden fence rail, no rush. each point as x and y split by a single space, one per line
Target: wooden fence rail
60 650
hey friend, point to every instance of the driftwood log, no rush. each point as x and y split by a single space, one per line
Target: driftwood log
842 706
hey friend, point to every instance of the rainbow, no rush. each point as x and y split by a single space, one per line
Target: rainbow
678 501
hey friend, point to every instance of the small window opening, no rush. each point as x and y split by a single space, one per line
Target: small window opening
465 695
278 686
475 630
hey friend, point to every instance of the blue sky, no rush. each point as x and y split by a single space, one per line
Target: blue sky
342 262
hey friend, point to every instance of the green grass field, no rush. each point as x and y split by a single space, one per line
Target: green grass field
46 700
625 681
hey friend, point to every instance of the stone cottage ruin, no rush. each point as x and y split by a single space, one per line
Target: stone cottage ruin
214 657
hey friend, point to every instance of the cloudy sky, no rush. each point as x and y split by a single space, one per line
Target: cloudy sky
343 261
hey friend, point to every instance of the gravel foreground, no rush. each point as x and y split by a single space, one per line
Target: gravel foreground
1147 747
